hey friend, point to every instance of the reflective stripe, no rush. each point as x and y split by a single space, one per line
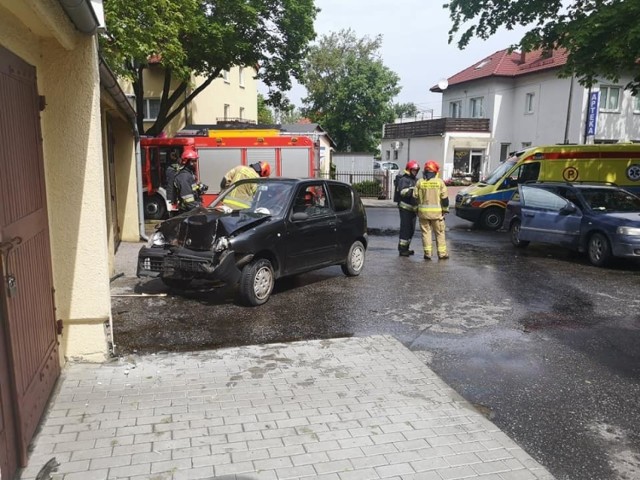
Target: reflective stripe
236 203
407 206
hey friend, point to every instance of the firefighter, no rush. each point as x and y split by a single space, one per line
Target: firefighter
255 170
433 205
188 191
170 175
407 206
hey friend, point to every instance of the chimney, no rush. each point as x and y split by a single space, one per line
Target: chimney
523 55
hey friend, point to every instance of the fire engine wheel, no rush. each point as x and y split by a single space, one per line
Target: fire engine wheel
491 218
355 260
256 282
154 207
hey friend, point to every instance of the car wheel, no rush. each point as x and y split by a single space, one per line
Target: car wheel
491 218
355 260
599 250
256 282
155 207
515 235
176 283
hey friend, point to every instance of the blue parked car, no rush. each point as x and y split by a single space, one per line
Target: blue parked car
601 220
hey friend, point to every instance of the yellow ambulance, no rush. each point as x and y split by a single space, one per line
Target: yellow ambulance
484 202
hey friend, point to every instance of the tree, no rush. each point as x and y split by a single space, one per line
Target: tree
265 117
402 110
205 37
602 37
349 90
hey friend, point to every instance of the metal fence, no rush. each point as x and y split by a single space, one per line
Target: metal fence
368 184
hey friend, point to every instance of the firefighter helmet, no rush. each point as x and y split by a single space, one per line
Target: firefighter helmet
265 169
431 166
188 155
412 165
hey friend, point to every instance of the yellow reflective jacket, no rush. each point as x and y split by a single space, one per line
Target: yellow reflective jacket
433 198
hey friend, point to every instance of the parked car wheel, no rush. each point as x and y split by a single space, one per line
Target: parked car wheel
176 283
155 207
355 260
256 282
599 250
491 218
515 235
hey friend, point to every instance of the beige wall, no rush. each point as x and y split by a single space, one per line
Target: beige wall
209 105
67 70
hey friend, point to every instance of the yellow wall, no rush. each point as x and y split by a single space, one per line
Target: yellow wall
67 70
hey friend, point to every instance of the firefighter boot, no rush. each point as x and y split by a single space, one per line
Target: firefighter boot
404 251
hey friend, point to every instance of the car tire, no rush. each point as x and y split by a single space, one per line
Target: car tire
355 260
155 207
491 218
515 235
256 282
598 249
176 283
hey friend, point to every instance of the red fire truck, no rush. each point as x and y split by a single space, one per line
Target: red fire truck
289 156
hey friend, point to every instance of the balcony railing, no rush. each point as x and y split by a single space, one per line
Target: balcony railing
438 126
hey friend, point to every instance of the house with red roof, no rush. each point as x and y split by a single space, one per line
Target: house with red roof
522 102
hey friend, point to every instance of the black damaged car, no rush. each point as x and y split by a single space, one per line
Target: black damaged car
257 231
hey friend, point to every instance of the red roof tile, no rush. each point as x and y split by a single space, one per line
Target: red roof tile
505 64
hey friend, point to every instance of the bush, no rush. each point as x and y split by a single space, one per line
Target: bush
368 188
458 182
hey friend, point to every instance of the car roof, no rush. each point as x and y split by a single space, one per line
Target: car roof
291 180
578 185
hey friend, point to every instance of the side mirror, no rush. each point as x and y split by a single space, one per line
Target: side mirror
568 209
299 216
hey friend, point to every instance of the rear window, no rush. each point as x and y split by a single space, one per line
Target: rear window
341 196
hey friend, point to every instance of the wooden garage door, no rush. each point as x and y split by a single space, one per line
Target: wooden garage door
26 293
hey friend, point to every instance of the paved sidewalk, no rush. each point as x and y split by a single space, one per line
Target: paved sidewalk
341 409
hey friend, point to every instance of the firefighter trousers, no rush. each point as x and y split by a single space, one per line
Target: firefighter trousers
429 227
407 228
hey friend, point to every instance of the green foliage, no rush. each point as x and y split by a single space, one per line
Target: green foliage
350 90
205 37
368 188
405 110
265 117
602 37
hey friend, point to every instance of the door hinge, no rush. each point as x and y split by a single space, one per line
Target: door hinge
59 327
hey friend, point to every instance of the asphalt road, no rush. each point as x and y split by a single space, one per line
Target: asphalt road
544 344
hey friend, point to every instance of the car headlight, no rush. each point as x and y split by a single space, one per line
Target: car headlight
156 240
221 244
628 231
467 200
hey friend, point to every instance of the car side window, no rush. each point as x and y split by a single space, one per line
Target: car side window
341 197
542 199
311 200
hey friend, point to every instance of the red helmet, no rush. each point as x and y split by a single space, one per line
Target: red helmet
412 165
188 155
431 166
265 169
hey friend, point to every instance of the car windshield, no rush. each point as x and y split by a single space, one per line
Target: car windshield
610 200
499 172
262 198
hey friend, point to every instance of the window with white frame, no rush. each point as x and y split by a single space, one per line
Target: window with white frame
636 104
455 109
241 77
475 107
388 155
227 111
529 102
225 75
526 144
151 108
609 99
241 113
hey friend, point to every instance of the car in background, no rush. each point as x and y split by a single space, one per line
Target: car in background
601 220
257 231
382 166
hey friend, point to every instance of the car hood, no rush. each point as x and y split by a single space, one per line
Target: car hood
199 229
631 219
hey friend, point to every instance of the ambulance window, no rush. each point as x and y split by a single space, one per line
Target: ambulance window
529 172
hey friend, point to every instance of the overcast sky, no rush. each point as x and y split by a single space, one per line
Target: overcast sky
414 43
